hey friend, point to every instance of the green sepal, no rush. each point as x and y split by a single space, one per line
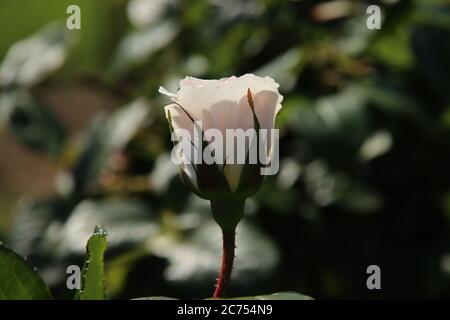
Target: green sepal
211 182
93 274
251 178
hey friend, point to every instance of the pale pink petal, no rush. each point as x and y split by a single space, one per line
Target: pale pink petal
223 104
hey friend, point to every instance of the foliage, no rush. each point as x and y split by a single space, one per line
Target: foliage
18 280
93 278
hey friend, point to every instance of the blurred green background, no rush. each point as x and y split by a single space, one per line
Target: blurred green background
365 136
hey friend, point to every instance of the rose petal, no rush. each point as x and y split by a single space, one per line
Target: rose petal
166 92
223 104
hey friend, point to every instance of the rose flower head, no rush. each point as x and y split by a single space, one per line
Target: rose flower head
223 131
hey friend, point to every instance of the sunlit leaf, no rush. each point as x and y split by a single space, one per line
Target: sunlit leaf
93 278
140 45
33 59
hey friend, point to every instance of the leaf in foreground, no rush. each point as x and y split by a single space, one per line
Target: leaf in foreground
93 281
18 280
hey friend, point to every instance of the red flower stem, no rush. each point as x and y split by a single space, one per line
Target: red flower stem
229 237
227 212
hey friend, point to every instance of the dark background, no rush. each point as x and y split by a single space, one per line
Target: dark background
364 128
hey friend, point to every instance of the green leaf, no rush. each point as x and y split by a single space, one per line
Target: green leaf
130 222
18 281
93 282
277 296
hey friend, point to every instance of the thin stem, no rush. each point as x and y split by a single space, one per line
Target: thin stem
229 237
227 213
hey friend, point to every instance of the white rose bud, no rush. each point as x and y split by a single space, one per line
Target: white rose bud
222 131
246 102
